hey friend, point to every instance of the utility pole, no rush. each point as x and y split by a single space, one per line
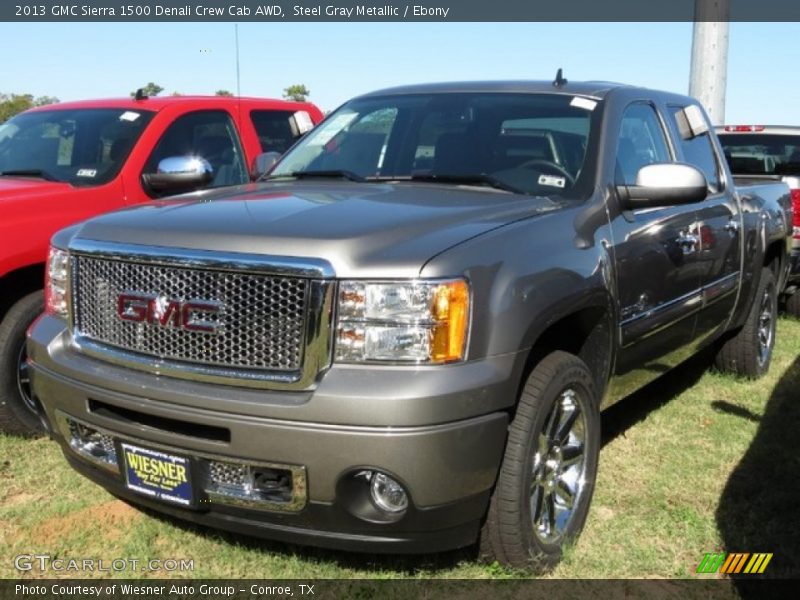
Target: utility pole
709 71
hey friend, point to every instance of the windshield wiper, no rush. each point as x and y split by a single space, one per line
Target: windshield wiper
471 179
328 174
40 173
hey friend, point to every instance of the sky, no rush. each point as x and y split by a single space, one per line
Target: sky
336 61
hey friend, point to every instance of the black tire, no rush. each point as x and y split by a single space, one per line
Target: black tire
749 352
20 413
510 534
793 304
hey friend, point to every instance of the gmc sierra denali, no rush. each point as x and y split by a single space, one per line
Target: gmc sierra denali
402 340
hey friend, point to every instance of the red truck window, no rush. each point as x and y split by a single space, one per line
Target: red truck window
84 147
209 134
277 130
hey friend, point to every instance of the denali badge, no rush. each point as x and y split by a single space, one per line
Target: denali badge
192 315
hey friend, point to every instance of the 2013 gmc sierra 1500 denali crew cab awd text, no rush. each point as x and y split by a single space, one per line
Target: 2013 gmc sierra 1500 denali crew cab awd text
402 340
64 163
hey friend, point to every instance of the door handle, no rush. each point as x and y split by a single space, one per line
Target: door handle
732 227
688 242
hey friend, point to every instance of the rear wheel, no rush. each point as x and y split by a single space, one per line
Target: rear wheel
793 304
547 477
749 352
20 412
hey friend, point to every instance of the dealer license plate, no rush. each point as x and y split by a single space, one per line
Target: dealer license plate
159 475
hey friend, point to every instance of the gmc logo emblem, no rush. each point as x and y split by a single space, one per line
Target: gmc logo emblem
193 315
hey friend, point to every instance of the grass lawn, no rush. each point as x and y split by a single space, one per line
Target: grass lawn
695 463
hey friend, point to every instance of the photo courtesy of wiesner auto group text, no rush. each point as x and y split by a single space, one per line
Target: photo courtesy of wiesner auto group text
410 299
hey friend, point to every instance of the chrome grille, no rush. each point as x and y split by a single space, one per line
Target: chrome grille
261 324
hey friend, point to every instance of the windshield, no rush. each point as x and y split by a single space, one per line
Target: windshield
80 147
528 143
762 153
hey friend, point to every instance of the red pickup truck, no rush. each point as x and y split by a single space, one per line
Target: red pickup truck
64 163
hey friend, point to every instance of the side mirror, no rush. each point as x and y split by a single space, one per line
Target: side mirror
263 164
664 184
178 174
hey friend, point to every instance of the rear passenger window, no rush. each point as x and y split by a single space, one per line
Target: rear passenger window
699 151
277 130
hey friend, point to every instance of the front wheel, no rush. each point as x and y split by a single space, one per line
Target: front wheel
20 412
749 352
547 478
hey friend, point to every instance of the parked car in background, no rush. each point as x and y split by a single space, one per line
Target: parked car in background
402 341
769 153
67 162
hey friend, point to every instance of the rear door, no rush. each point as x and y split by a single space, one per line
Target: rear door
718 226
658 281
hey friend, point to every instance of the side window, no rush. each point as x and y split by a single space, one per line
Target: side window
207 134
699 151
641 142
276 129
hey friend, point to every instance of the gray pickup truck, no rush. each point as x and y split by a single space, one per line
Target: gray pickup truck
403 339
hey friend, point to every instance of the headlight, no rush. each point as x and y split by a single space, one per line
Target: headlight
412 321
55 285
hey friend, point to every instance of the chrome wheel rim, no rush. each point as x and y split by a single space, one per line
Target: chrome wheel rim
558 468
765 326
24 379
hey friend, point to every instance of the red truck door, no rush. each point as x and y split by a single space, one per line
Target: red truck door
211 134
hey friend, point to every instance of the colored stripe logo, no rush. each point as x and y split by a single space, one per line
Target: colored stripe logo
734 563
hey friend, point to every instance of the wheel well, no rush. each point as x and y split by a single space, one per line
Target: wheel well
586 334
19 283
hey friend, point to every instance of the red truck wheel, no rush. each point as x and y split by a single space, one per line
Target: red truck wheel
20 413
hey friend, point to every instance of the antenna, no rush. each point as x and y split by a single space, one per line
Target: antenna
238 82
559 80
140 95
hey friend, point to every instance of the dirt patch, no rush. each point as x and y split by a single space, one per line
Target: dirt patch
108 520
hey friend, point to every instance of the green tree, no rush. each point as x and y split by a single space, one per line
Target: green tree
297 92
11 104
149 90
45 100
223 93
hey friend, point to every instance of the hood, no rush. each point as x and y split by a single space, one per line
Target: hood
361 229
13 188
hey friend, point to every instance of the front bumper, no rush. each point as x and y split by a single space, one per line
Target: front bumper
447 467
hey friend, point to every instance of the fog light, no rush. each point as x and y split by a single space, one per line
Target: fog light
387 493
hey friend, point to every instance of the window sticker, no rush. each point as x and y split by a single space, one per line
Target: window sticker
331 128
303 120
584 103
129 115
86 173
552 181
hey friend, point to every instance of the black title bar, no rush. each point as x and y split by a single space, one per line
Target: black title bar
406 11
